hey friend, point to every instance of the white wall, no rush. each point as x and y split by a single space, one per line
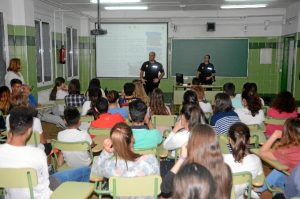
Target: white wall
190 24
292 24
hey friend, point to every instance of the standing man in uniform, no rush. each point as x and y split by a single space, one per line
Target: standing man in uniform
151 73
206 72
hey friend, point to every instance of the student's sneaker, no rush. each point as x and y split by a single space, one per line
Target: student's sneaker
254 195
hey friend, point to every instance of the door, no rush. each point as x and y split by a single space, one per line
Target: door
287 73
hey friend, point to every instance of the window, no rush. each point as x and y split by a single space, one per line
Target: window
72 52
43 53
2 52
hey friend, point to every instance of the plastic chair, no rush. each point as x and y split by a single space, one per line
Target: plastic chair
275 121
210 96
99 131
223 141
87 118
27 178
34 139
241 178
164 120
69 146
131 187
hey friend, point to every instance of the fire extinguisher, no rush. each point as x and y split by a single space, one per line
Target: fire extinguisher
62 55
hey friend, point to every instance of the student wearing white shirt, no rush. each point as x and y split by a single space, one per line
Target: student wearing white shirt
240 159
190 115
94 94
73 134
13 72
252 112
204 105
21 100
15 154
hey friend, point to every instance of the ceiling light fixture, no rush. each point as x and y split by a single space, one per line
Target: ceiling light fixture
116 1
244 6
126 8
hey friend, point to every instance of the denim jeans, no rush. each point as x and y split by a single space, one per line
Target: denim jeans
275 179
81 174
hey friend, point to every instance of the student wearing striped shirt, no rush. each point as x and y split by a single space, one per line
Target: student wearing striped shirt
223 116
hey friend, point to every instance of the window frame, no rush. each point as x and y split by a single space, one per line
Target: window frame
72 53
41 50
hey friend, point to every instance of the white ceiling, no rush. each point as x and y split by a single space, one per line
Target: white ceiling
171 5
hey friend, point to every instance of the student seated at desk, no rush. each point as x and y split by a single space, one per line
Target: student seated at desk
94 84
87 107
140 92
129 95
21 100
74 134
126 162
204 105
4 100
229 89
157 104
223 116
287 152
189 117
240 159
193 180
252 112
145 136
60 89
292 185
202 148
15 154
283 106
103 119
113 97
74 98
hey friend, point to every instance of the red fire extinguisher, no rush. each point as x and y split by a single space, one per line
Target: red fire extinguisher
62 55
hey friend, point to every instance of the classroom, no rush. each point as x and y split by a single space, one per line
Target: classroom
194 99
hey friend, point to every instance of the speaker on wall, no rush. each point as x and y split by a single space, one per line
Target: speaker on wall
210 26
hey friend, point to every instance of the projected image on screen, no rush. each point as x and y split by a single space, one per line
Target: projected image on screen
123 50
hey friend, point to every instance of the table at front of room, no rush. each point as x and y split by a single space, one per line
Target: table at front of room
210 92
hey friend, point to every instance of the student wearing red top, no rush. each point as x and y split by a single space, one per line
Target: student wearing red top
283 106
103 119
286 152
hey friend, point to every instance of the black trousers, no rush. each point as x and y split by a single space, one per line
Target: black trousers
150 86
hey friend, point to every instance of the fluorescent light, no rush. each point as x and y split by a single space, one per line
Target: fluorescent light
116 1
126 7
244 6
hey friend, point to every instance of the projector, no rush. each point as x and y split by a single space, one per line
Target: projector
98 32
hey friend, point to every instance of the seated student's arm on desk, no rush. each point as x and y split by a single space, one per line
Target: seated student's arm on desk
266 150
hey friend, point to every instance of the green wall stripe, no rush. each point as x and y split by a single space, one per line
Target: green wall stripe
16 40
258 45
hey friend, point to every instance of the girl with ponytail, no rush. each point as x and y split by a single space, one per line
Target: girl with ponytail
240 159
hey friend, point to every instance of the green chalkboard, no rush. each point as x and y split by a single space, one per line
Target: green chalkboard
229 56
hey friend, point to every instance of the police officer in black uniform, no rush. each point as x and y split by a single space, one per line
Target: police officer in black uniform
206 72
151 73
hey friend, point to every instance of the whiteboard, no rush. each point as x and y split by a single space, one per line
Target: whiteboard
126 47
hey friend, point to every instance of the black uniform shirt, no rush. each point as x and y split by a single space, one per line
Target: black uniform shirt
206 70
152 69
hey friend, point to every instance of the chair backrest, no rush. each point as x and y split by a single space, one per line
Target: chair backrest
60 102
275 121
152 151
34 139
136 186
223 141
257 137
71 146
99 131
242 178
164 120
87 118
210 96
19 178
178 97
